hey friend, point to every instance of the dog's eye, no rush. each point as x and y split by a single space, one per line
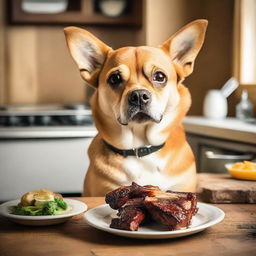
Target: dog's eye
159 77
115 79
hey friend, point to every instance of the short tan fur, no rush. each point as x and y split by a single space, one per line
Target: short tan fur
173 166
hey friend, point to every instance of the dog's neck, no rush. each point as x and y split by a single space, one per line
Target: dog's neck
136 135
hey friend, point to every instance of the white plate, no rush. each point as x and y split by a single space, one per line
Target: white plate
207 216
77 207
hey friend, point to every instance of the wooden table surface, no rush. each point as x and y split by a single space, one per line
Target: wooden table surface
235 235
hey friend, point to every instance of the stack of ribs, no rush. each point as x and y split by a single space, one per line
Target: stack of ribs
138 205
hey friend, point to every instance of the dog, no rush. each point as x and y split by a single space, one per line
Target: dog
138 107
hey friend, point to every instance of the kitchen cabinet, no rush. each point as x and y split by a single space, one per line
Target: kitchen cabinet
217 142
82 12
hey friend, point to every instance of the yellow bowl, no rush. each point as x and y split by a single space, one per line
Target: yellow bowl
239 173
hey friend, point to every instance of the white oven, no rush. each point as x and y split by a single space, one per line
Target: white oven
44 147
212 154
54 159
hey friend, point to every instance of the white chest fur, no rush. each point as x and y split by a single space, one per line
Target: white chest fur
146 171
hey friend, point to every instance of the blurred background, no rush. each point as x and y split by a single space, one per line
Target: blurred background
36 70
35 66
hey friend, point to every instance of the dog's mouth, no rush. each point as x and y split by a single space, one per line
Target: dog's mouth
139 117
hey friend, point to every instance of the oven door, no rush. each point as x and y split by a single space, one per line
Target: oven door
212 154
213 159
58 164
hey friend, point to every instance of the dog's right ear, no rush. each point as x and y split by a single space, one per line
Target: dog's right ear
88 52
184 46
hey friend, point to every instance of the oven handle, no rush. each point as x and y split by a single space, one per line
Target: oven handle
212 155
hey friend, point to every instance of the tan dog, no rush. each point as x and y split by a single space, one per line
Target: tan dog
138 107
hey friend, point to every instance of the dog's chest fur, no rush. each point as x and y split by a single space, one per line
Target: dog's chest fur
150 170
146 170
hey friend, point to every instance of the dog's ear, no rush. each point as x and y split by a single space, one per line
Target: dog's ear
88 52
184 46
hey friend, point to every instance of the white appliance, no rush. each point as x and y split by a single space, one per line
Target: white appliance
44 148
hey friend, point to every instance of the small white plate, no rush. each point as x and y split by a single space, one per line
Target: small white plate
207 216
76 206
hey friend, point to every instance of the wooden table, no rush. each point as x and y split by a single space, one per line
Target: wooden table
235 235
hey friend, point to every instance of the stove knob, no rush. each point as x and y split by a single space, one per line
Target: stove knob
14 120
31 120
45 120
3 121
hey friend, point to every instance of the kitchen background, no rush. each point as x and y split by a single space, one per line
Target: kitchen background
35 69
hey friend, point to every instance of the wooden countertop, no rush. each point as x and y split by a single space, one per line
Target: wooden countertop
235 235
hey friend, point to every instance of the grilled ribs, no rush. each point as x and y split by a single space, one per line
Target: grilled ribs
175 213
141 204
131 215
121 195
118 197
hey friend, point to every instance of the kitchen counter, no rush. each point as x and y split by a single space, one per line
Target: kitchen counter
229 128
47 132
235 235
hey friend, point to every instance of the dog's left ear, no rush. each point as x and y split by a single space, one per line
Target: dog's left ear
184 46
88 52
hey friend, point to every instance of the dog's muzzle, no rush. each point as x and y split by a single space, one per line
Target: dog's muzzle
139 98
139 106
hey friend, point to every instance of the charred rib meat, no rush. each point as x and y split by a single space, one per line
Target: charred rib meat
118 197
121 195
131 215
173 213
138 204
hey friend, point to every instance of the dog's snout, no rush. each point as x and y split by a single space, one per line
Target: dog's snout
139 97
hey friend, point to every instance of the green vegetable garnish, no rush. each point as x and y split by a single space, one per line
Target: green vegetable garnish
61 203
49 208
28 210
55 207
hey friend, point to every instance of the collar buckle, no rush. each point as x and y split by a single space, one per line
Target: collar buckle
143 151
136 152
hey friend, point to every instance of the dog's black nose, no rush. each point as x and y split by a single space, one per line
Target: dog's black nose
139 97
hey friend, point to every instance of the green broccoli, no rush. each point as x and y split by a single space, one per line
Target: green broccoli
49 208
61 203
28 210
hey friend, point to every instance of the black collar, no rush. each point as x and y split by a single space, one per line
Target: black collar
138 152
